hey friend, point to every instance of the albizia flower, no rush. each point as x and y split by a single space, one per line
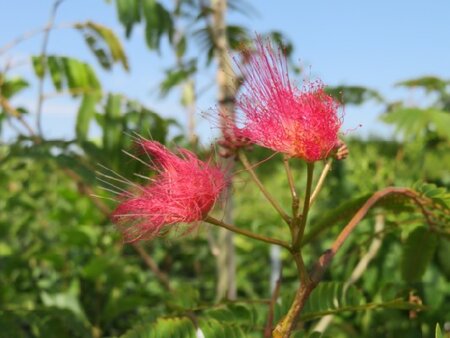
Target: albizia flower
301 123
184 191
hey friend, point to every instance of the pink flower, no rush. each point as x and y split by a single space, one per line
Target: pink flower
184 191
301 123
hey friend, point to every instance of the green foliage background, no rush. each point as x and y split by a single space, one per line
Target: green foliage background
64 271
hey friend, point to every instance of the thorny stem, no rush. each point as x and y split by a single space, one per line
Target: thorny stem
269 197
309 178
321 181
42 56
247 233
295 199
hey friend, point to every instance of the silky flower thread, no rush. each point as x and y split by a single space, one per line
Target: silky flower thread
302 123
183 191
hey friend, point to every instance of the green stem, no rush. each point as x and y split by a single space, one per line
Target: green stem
261 187
247 233
301 268
287 324
321 181
301 231
295 199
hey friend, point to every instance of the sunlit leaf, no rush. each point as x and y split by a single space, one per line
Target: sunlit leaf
438 332
12 86
129 13
414 122
56 71
158 23
39 66
104 44
177 76
85 114
78 77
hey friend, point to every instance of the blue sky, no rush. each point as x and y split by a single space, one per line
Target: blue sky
352 42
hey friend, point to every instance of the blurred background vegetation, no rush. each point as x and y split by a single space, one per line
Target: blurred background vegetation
64 271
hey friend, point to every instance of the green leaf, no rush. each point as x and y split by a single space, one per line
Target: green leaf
343 213
443 253
212 328
413 122
94 152
158 22
13 324
330 296
65 300
86 113
355 95
152 30
181 47
177 76
281 41
417 254
185 328
439 195
129 13
39 66
237 36
12 86
181 327
77 76
438 332
175 327
317 335
335 298
42 322
98 266
183 298
104 44
56 71
146 122
429 83
73 163
398 304
121 306
93 81
112 128
188 94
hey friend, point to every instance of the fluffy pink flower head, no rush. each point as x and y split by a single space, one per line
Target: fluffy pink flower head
301 123
184 191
